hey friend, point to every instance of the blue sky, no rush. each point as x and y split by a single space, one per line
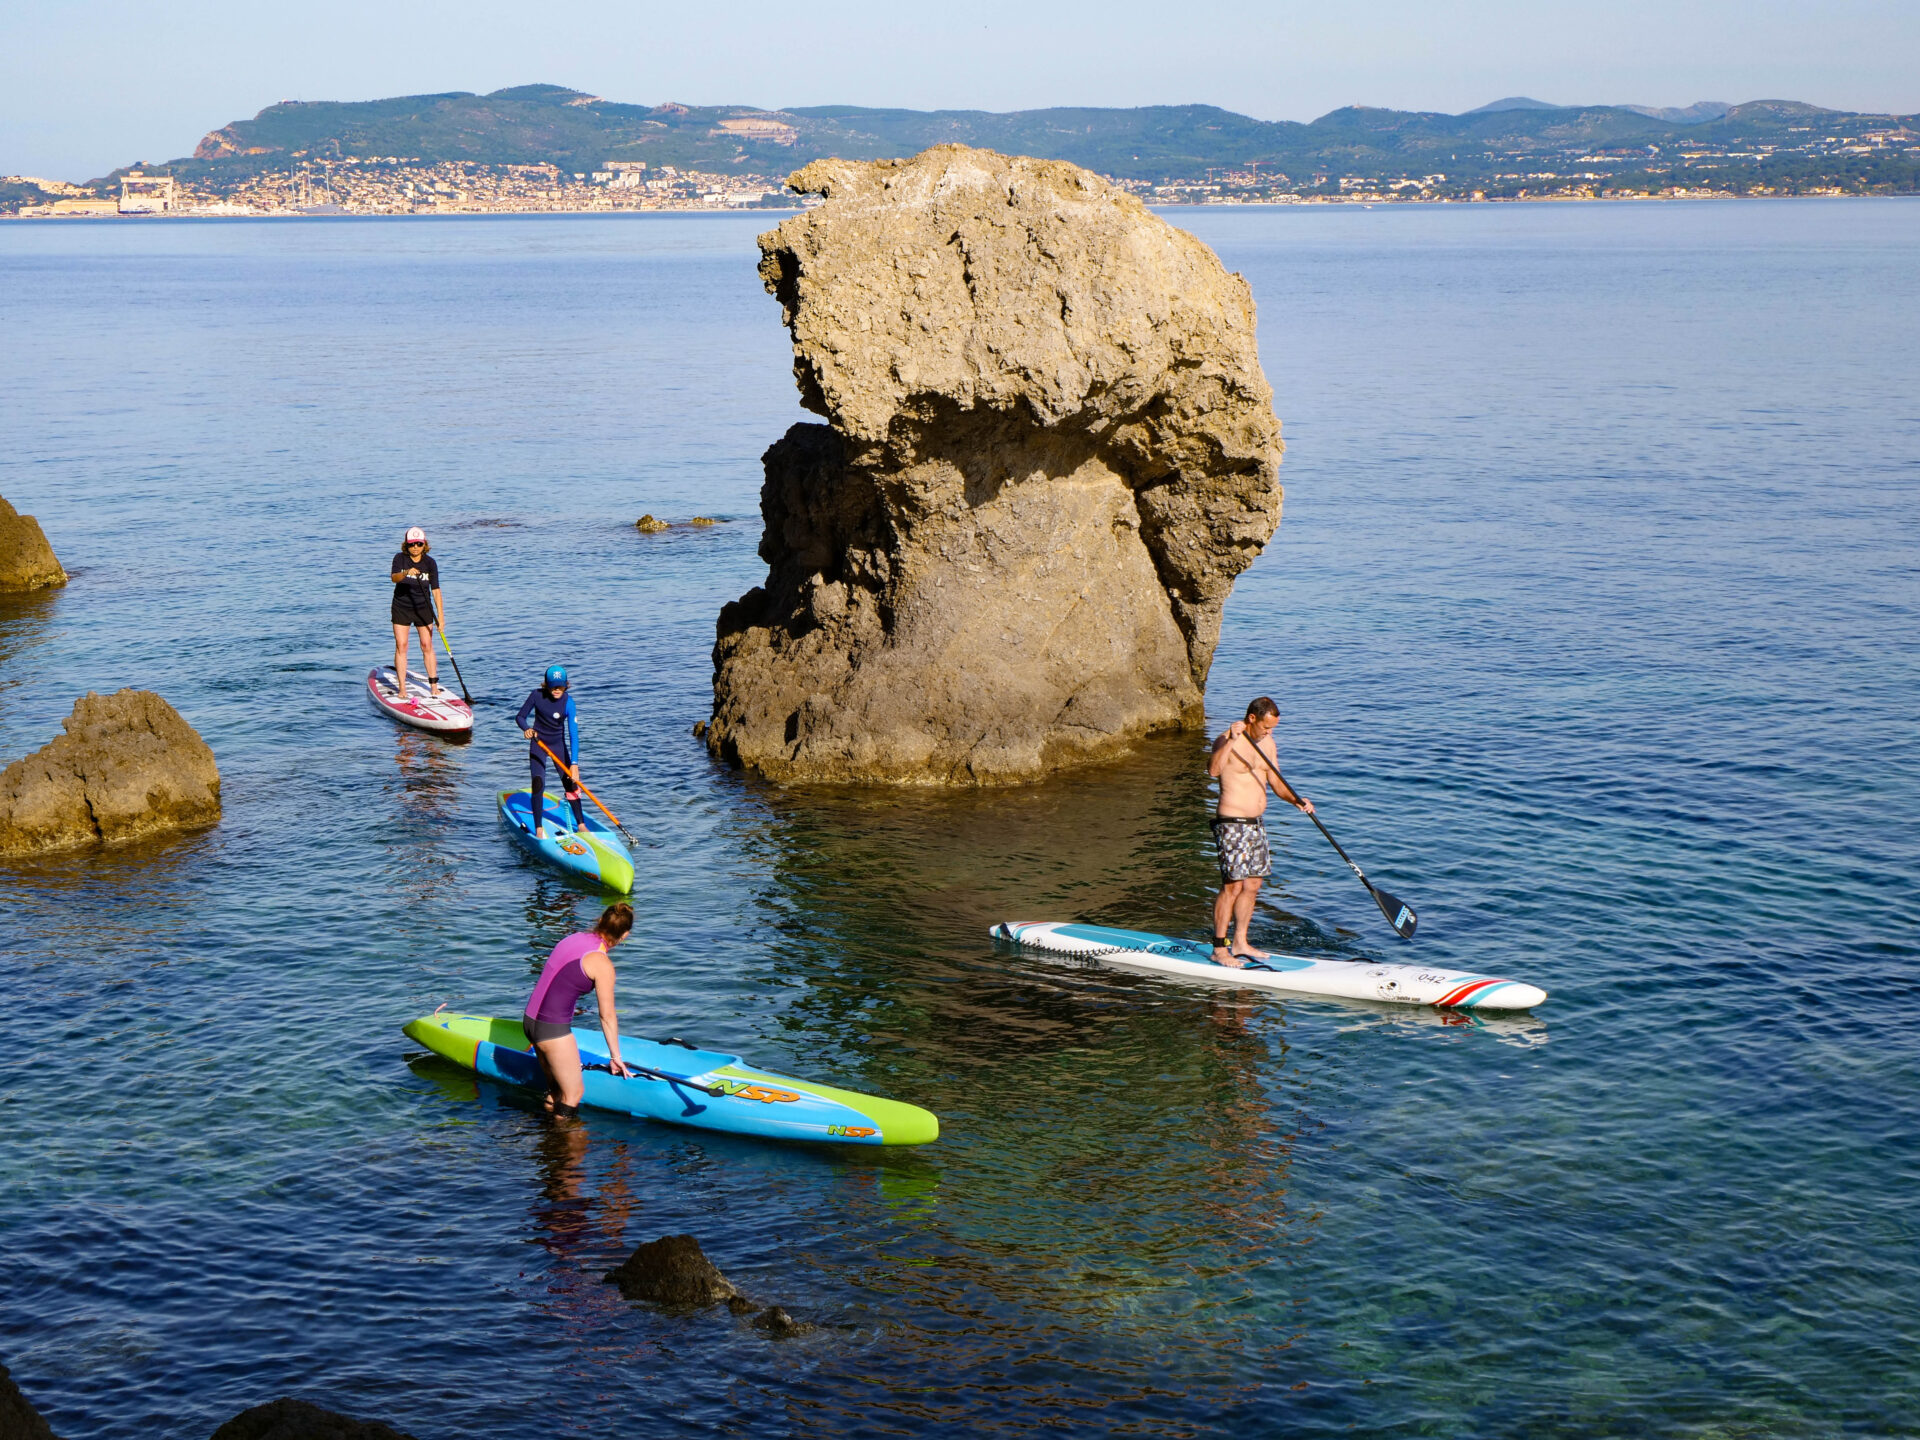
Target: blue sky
89 84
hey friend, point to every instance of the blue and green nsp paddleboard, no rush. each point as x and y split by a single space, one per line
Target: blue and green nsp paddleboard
683 1086
596 853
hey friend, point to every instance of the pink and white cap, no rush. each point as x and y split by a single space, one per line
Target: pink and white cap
415 535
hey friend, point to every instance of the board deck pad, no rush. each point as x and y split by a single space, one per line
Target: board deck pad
1397 984
597 853
754 1102
446 714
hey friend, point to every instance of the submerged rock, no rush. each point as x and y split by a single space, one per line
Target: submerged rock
647 525
286 1419
672 1270
18 1419
779 1324
128 766
27 561
1050 450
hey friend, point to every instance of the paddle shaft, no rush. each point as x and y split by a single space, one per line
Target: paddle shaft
574 778
649 1073
440 614
1389 905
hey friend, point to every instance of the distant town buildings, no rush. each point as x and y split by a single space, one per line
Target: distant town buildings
1837 157
144 194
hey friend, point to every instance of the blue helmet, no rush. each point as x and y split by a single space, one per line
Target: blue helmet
556 677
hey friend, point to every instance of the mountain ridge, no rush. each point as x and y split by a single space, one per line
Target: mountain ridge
545 124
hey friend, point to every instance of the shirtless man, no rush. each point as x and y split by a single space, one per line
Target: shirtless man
1238 828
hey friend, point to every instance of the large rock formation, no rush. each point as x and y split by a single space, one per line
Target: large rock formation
27 561
1050 450
127 766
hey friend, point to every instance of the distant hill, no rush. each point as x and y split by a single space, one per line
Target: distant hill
539 124
1512 102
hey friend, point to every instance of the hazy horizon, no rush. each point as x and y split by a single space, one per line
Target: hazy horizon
93 85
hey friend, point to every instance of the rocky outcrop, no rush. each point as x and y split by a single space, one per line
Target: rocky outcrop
127 766
672 1270
1049 451
286 1419
18 1419
27 561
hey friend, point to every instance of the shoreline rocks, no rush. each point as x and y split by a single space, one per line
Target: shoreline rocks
27 561
1049 451
127 767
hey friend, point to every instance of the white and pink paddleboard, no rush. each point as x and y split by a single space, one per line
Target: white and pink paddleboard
445 713
1347 979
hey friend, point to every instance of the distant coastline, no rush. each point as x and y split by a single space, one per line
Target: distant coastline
787 204
546 149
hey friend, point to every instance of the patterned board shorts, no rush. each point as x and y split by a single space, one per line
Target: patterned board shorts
1244 853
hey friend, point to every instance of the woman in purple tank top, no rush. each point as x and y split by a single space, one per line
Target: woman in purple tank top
578 964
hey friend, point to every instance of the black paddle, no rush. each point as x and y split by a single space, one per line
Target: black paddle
1399 915
648 1073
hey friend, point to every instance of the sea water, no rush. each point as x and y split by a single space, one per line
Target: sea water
1592 625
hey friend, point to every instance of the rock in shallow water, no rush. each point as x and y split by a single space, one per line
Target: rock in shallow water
779 1324
27 561
286 1419
128 766
18 1419
672 1270
1050 451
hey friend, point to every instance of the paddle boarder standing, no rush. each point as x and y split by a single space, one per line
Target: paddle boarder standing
416 606
581 962
1239 829
552 726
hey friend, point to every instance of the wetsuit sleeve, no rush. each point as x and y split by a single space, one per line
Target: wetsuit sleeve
573 732
526 710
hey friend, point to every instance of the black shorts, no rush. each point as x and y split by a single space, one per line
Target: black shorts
538 1030
404 614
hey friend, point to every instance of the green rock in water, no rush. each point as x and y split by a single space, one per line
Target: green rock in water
647 525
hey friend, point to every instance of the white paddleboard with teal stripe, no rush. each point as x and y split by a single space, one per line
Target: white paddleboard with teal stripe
1347 979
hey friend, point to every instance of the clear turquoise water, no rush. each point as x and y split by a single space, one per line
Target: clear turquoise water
1592 619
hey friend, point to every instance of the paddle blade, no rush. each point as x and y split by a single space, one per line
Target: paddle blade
1399 914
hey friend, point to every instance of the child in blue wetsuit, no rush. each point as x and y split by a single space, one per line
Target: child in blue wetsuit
548 715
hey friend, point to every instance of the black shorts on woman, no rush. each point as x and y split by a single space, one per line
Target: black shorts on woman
406 612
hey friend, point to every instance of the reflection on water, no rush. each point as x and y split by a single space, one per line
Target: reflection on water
1127 1166
25 620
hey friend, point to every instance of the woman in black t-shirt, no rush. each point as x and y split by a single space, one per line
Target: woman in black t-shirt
416 606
